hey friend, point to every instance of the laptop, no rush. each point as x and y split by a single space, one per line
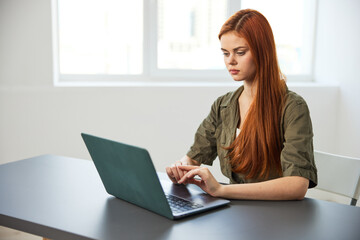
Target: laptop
128 173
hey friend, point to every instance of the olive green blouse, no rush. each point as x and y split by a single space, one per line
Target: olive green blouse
218 130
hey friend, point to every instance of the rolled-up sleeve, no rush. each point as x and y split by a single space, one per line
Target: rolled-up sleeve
204 148
297 156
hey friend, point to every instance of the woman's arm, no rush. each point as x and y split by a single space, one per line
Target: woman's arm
284 188
204 148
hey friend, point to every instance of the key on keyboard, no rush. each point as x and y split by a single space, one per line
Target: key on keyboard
178 205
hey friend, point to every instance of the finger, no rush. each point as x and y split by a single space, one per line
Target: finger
179 171
187 167
190 175
194 181
170 174
175 172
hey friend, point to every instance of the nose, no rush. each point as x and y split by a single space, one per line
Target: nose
231 60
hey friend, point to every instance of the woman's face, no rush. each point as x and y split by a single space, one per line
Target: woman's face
237 57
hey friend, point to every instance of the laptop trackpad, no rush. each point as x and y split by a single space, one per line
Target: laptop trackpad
189 192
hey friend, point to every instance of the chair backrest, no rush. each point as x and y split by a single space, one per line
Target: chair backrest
338 174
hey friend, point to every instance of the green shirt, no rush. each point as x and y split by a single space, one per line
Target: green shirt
218 130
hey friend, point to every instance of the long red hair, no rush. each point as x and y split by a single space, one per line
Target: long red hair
256 150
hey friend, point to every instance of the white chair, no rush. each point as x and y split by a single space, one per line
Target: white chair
339 175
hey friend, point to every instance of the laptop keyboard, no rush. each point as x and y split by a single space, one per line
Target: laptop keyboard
178 205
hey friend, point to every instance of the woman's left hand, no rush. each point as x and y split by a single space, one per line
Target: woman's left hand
207 182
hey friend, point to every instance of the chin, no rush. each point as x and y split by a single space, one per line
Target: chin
238 79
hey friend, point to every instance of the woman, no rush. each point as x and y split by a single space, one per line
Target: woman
261 133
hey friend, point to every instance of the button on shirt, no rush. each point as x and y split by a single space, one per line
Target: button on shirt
218 130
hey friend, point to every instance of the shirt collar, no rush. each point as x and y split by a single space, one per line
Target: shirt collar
233 98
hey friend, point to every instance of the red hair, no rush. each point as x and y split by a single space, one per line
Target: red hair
256 150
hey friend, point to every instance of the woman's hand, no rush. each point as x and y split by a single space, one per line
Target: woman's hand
207 182
175 173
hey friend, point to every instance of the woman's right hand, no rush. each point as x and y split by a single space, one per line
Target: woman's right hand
174 173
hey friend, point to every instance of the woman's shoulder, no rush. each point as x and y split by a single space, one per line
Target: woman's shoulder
229 97
293 99
294 105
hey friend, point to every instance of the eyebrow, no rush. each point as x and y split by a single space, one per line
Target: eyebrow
235 49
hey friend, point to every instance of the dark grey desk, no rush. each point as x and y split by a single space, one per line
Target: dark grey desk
63 198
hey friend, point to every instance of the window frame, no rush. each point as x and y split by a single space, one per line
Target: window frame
152 75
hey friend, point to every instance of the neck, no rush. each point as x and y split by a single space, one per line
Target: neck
249 89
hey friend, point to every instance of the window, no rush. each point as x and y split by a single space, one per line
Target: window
167 40
187 34
100 37
293 25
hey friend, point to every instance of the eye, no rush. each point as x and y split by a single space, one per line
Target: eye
240 53
226 54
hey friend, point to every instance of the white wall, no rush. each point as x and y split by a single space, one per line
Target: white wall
338 60
37 118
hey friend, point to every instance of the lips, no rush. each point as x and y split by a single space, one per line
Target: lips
234 71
